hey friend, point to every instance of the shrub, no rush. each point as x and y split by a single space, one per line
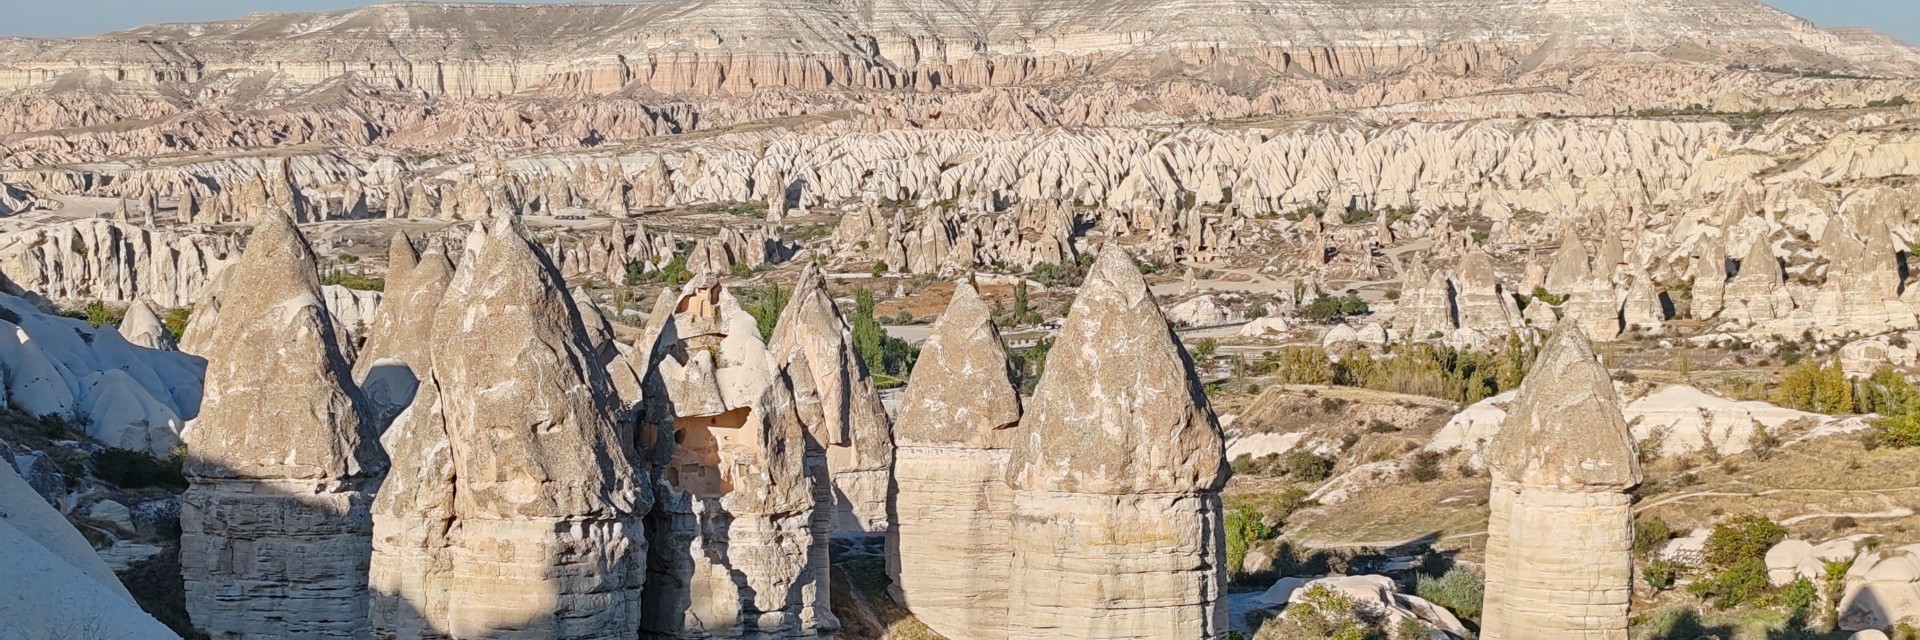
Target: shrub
1382 426
356 279
1204 348
1322 614
176 320
1741 538
1426 467
98 314
1541 294
765 304
1298 365
1743 581
1304 466
1245 527
673 274
1649 534
134 470
1799 597
1462 590
1660 575
1809 386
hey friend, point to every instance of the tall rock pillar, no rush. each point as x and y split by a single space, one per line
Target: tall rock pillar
1559 541
737 549
950 550
846 426
1116 524
275 527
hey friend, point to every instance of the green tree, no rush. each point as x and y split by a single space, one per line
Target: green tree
1742 537
882 353
765 304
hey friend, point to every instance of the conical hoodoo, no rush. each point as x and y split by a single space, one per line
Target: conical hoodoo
950 550
517 504
398 345
1117 438
737 550
1560 537
275 526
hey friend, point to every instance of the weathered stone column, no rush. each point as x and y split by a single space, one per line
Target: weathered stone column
526 522
1116 510
845 422
1560 538
737 550
950 550
275 529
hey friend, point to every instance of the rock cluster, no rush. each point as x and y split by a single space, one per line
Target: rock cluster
1560 537
1116 525
114 262
739 532
516 501
847 429
276 529
58 584
951 548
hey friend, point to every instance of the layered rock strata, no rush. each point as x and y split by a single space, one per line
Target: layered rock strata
1116 523
950 551
738 550
516 505
846 426
1559 546
276 529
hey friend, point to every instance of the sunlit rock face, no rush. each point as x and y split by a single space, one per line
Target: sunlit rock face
1116 479
275 527
739 532
1559 545
951 549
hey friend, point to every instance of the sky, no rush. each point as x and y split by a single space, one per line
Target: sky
1900 18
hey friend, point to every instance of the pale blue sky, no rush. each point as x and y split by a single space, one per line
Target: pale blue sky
81 17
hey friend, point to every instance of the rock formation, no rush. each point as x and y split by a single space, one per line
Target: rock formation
846 425
1116 506
399 342
738 551
114 262
276 528
1559 546
951 549
141 326
1757 293
515 505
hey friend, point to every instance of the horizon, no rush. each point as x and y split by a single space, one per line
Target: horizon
82 18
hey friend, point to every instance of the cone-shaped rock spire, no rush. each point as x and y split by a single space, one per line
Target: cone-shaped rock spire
1560 537
845 421
275 525
950 550
1118 438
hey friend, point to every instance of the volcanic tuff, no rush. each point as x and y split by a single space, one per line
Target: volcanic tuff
278 505
1118 438
951 547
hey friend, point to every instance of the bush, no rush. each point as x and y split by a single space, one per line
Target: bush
1245 527
1325 308
1426 466
176 320
1809 386
882 353
1382 426
1461 590
1322 614
765 304
1742 538
673 274
1298 365
1743 581
1303 466
135 470
1541 294
1660 575
1204 348
1800 596
1649 534
356 279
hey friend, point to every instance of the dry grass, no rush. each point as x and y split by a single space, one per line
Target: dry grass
865 610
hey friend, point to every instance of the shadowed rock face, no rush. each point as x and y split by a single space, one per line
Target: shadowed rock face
1116 510
1559 546
845 422
739 529
950 549
275 525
